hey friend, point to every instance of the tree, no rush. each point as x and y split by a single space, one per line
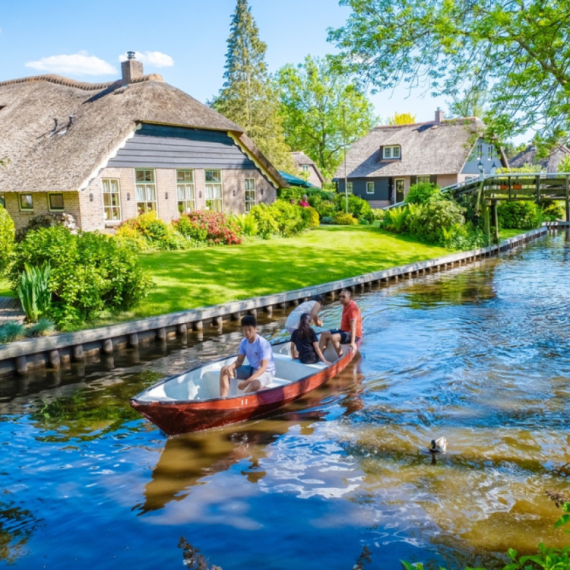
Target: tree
520 49
320 109
402 119
248 97
473 103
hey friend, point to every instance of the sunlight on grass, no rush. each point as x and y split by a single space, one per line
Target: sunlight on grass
506 234
203 277
5 289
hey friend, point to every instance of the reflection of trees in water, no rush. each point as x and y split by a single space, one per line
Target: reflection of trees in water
187 459
91 411
468 287
16 527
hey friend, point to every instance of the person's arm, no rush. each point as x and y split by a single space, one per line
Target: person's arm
294 353
353 335
236 363
315 314
319 353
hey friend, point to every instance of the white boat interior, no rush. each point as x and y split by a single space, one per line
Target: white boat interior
204 383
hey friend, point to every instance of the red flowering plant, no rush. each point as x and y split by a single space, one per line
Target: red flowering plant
214 228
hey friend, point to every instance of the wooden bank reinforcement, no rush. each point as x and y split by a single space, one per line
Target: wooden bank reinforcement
49 352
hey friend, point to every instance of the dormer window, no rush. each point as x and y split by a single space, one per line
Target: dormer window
391 152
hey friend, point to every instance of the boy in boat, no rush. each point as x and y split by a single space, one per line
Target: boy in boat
313 306
350 326
305 344
261 369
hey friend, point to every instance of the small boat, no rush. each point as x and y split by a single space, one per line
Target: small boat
191 401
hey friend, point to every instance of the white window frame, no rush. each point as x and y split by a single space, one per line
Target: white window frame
148 189
368 186
108 192
185 190
22 209
349 188
250 194
305 167
392 152
423 179
212 188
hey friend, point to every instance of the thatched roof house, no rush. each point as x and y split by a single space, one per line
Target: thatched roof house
305 164
67 138
382 165
528 157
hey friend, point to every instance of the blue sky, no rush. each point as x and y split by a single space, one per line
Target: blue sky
186 41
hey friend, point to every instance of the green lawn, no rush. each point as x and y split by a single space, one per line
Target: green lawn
5 288
202 277
506 234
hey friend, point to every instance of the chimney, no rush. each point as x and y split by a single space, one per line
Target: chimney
438 116
132 69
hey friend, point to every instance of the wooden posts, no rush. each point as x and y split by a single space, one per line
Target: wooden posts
107 347
21 365
161 335
496 221
54 358
77 353
486 221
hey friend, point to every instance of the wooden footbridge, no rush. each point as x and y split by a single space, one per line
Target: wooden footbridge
491 190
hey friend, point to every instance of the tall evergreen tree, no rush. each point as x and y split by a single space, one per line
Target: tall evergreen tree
248 97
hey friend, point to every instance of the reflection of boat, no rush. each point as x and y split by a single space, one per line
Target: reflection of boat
191 401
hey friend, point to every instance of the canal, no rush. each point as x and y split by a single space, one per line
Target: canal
478 354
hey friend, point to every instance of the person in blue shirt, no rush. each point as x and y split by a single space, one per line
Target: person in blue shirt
261 369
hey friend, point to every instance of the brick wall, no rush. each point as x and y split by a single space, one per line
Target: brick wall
71 205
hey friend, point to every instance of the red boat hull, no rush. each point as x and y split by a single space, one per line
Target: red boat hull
176 417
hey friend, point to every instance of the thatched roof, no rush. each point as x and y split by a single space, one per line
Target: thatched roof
104 116
549 163
426 149
300 158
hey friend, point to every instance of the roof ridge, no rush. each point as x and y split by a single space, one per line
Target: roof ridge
59 80
449 121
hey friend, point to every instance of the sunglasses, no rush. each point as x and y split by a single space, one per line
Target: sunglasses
343 296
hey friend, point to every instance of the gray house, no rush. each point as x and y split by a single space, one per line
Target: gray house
381 166
305 164
528 157
108 152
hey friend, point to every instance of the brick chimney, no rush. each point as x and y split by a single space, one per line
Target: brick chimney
132 69
438 116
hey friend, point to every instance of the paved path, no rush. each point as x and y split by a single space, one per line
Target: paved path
11 310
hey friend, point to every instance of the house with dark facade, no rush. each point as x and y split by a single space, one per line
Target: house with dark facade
307 165
108 152
381 166
529 157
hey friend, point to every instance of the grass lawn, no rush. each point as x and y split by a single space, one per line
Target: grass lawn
506 234
202 277
5 288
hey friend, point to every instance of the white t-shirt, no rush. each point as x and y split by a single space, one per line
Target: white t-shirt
256 351
294 317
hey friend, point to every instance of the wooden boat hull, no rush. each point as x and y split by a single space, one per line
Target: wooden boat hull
177 417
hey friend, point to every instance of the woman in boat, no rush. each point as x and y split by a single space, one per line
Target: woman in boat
305 344
313 306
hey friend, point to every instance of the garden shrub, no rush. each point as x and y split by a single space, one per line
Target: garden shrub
7 236
552 211
148 232
90 272
363 222
358 207
462 237
313 217
327 220
214 228
47 221
291 220
11 331
427 221
344 219
247 225
395 219
422 192
265 219
34 292
519 215
43 327
379 214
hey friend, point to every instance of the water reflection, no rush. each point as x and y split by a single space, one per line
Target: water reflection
17 525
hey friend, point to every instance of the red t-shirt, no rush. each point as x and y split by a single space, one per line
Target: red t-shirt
349 313
304 204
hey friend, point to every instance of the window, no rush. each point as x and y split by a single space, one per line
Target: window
370 187
423 179
349 188
305 167
213 190
185 191
146 191
55 202
2 201
111 200
249 194
391 152
26 202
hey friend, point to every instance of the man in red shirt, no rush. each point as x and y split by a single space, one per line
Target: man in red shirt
304 203
350 331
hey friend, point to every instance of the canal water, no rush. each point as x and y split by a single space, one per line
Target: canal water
479 354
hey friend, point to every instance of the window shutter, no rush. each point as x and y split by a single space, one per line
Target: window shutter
433 179
381 153
413 180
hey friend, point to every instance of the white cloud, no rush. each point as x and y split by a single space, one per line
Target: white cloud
152 58
80 63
